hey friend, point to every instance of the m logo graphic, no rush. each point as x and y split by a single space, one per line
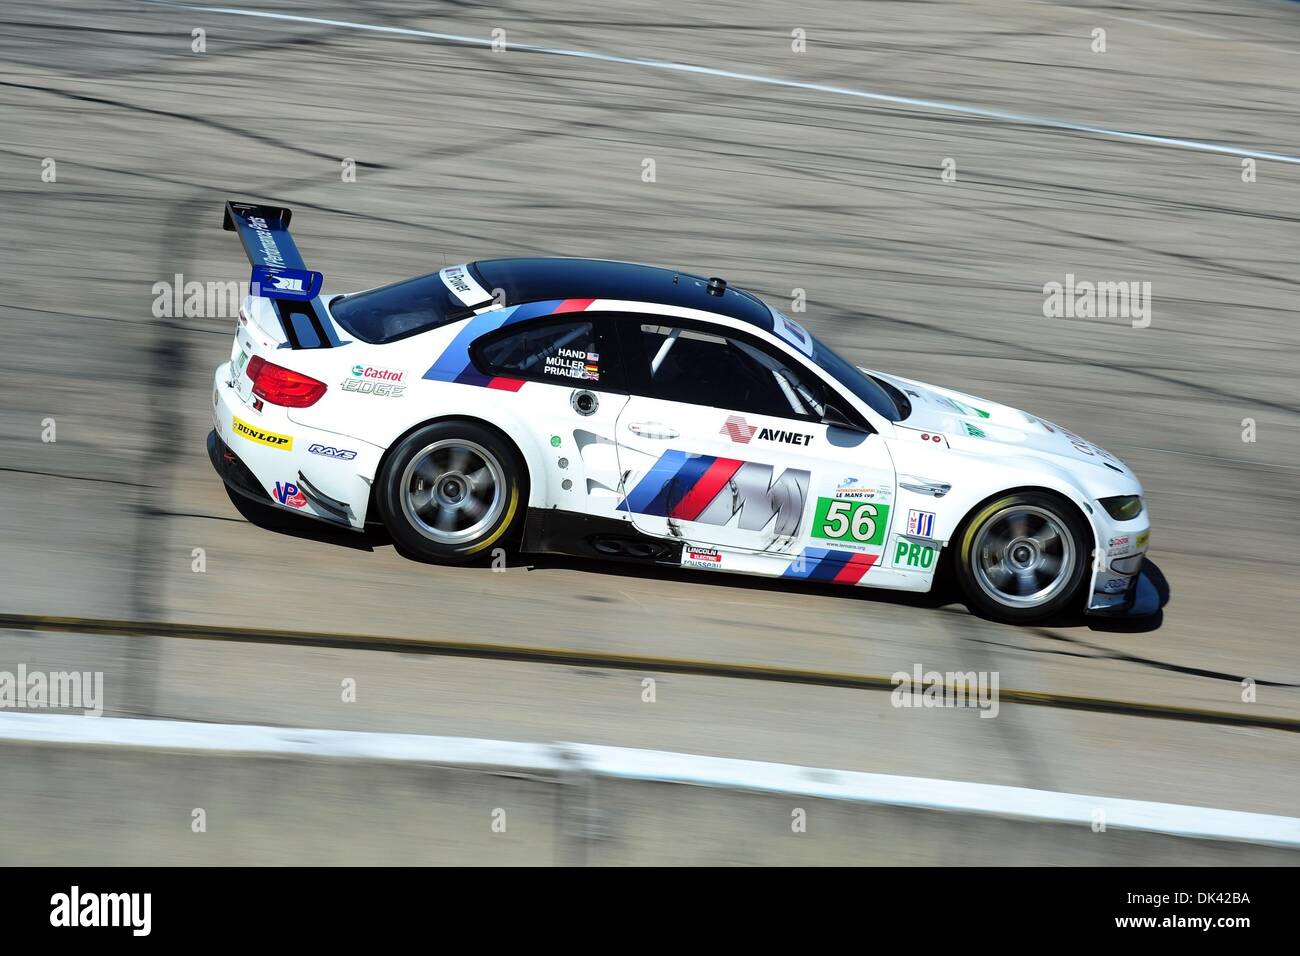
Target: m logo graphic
716 491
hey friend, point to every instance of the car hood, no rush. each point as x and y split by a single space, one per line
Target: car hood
974 425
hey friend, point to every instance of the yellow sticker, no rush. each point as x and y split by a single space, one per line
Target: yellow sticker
1142 539
282 442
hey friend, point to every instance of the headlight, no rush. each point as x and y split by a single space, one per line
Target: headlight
1123 507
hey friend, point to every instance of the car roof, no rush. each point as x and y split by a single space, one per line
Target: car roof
540 279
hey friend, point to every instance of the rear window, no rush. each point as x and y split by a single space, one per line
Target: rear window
396 311
573 354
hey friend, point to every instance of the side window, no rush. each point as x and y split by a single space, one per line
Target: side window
562 353
706 368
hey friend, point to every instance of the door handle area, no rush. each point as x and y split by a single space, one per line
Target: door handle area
653 430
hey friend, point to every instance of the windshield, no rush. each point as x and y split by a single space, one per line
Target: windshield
856 381
395 311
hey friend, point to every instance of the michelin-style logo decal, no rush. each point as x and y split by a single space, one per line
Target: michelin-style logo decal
713 491
463 286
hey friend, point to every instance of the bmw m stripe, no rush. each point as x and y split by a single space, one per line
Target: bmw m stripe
833 567
647 497
680 485
453 365
705 488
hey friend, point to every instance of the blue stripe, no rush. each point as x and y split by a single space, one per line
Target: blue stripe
676 488
651 486
453 365
810 558
819 564
455 357
830 564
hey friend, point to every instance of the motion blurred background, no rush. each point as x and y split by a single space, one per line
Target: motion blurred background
463 152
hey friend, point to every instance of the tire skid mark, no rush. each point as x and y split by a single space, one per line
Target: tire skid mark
601 659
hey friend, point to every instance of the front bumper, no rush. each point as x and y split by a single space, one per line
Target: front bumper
1142 599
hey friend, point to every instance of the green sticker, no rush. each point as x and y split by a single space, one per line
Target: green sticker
847 520
973 431
555 441
913 554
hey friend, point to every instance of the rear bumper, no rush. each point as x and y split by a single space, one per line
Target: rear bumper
233 471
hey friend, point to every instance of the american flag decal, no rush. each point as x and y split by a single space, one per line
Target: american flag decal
737 429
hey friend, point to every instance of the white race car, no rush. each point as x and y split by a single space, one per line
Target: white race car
613 410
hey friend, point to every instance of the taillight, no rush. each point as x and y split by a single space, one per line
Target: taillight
283 386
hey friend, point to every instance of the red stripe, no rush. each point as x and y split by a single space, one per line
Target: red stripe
572 305
852 572
506 384
706 489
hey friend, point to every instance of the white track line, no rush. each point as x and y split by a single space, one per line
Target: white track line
1020 119
552 760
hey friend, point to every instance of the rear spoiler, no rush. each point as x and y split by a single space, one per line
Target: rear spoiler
279 272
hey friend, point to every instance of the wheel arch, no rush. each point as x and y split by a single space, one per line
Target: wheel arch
1079 510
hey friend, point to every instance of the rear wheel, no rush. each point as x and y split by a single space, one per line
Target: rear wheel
451 490
1023 558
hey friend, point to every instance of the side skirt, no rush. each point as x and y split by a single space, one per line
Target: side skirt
552 531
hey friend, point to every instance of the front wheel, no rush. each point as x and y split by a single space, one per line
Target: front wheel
1023 558
451 490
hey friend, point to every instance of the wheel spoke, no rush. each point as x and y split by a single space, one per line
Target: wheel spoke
474 509
458 460
420 497
1026 582
427 472
445 519
1046 538
999 573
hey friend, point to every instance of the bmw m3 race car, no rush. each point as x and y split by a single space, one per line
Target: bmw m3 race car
605 409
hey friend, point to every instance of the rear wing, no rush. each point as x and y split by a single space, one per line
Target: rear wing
279 272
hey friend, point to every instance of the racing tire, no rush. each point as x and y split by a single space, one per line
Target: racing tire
1023 558
450 491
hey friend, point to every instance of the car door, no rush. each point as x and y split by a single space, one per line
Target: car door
724 444
573 388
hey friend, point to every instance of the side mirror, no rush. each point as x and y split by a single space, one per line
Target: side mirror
835 418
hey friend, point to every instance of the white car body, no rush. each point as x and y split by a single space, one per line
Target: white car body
919 477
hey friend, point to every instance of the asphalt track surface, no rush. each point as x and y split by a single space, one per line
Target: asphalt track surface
1123 165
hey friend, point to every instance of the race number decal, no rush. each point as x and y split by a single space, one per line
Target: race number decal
849 522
